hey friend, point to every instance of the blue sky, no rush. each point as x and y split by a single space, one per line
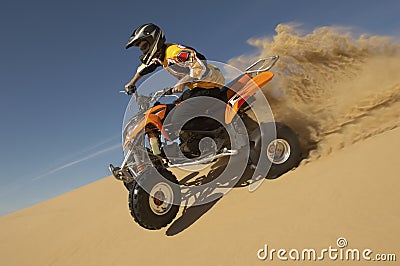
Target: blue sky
62 64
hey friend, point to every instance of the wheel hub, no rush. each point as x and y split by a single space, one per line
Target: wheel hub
278 151
161 198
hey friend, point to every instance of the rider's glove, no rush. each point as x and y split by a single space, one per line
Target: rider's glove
168 91
130 90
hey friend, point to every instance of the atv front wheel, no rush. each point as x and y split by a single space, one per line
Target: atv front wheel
156 208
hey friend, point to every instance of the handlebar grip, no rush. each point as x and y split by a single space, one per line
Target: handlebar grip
168 91
131 90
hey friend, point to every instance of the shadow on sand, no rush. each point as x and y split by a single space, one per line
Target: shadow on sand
205 197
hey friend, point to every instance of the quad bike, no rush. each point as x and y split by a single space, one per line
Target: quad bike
151 151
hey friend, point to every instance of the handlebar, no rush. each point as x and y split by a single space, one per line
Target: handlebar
161 93
144 101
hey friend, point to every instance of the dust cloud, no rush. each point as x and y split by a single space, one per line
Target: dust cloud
332 87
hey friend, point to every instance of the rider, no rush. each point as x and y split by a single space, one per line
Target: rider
185 63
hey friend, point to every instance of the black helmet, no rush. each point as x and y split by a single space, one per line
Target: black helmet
153 35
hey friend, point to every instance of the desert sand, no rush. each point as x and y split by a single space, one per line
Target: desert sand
352 194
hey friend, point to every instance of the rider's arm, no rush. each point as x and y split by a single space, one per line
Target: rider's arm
197 68
142 70
180 86
133 81
195 63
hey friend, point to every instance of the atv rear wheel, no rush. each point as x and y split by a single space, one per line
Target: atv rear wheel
282 152
157 208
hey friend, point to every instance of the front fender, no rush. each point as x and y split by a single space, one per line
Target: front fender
156 121
148 119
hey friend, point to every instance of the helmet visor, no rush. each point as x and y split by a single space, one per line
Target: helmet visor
144 46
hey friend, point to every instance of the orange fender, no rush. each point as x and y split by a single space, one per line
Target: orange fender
249 89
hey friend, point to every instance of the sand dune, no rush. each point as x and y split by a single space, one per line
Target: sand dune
352 193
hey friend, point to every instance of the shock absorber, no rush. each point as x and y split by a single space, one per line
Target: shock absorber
154 140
